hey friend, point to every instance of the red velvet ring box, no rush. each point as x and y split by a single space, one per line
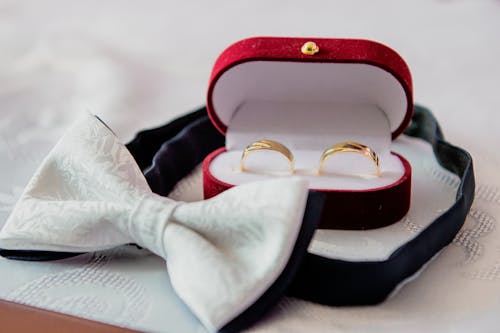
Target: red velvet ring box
348 90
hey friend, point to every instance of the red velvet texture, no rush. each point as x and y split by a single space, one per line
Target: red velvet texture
348 210
331 50
352 210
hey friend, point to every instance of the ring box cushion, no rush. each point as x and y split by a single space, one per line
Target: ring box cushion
351 90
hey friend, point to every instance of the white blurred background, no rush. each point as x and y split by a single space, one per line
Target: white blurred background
138 63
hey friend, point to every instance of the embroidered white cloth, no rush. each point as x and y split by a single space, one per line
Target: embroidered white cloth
222 254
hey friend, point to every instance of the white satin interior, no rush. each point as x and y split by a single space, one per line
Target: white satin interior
347 171
308 107
296 82
308 129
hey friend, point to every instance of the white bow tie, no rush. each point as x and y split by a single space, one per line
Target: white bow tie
222 254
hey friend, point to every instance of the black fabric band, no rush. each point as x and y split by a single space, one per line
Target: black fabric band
147 143
339 282
167 154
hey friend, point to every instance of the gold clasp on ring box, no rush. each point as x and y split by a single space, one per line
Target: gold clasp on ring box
309 48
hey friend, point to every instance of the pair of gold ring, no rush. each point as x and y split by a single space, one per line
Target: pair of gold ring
348 146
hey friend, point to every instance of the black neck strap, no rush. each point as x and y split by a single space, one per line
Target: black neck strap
169 153
340 282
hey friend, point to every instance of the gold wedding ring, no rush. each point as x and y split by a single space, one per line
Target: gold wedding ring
267 145
350 147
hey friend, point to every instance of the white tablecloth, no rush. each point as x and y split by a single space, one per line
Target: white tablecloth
137 64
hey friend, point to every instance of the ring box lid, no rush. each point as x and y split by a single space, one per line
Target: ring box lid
351 88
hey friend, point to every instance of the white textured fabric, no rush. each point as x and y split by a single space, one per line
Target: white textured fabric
222 254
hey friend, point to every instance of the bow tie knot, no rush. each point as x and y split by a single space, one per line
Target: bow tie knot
148 220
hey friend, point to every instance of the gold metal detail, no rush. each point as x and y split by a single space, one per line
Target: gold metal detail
309 48
351 147
268 145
